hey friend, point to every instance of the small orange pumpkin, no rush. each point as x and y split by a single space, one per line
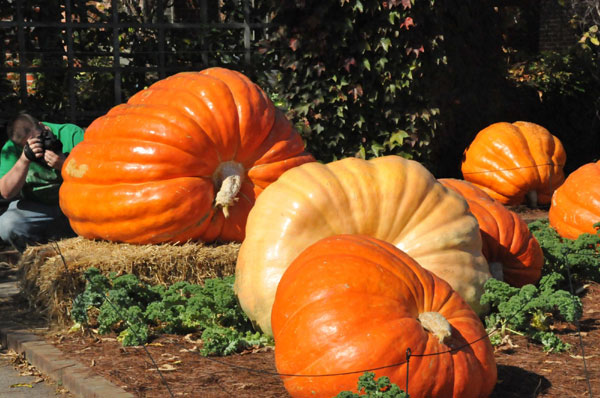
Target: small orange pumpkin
513 253
351 302
182 160
513 161
575 205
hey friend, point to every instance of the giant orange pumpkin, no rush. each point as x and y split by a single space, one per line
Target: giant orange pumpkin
575 205
349 303
389 198
182 160
513 161
513 253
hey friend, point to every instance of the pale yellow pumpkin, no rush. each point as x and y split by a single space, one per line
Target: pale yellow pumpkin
389 198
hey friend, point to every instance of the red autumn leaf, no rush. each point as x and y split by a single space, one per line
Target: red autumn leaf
320 68
294 43
408 22
348 63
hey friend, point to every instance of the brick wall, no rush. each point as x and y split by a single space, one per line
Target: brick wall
555 31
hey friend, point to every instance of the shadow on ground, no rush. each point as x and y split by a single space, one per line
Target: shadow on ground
516 382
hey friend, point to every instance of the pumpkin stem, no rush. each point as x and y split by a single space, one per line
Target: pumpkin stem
435 323
228 182
532 199
497 271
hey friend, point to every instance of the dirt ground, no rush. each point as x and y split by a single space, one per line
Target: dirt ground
524 370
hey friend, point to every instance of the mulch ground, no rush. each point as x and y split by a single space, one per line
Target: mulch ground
524 369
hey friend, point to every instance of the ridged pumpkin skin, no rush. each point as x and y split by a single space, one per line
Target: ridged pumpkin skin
513 253
511 161
349 303
575 205
389 198
150 170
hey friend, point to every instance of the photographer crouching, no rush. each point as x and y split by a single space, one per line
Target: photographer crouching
30 166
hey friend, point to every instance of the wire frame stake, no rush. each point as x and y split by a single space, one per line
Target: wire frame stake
566 264
408 353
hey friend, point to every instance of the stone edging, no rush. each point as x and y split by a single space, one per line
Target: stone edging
49 360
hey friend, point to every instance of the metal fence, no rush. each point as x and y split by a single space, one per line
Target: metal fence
162 55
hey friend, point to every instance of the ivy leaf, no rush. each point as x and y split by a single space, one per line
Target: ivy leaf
367 64
362 153
408 22
397 139
385 43
377 149
294 44
358 6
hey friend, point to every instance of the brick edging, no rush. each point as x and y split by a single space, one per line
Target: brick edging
79 379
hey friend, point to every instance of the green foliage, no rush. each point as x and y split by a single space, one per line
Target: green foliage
354 86
368 387
586 20
92 296
219 340
136 311
530 310
409 78
580 257
567 84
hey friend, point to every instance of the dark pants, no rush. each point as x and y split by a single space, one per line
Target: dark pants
26 222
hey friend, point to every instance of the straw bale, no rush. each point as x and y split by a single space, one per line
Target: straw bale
51 275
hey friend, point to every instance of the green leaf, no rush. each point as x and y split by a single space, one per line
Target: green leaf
362 153
367 64
530 310
369 387
358 6
377 149
397 138
385 43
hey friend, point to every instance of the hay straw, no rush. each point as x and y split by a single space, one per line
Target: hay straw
50 284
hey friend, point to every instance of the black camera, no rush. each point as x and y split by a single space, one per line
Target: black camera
48 142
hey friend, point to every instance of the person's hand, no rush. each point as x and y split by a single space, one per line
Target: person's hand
36 147
54 160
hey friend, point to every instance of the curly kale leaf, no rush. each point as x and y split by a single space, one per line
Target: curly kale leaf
369 387
166 313
92 296
579 258
216 304
121 301
529 310
137 311
137 332
219 340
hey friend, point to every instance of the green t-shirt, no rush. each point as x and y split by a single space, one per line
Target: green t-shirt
42 183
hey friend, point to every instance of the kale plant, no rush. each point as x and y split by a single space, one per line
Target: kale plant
92 296
137 311
578 258
368 387
530 310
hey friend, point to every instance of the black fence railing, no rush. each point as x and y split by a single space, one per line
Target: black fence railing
126 46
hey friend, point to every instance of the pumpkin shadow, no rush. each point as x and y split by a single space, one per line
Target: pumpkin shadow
515 382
